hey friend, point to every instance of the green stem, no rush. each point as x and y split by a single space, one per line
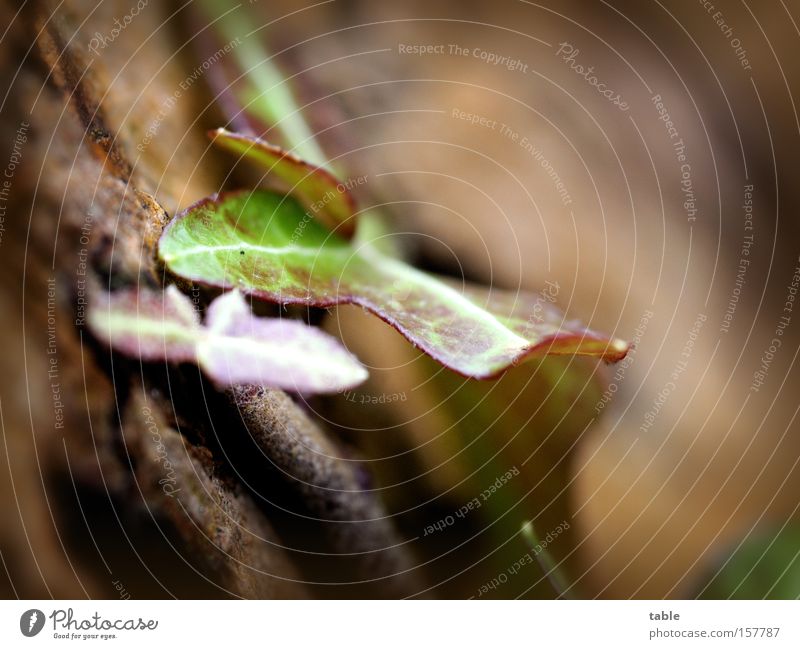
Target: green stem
484 466
270 96
553 572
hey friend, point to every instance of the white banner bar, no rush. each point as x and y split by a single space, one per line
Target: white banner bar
403 625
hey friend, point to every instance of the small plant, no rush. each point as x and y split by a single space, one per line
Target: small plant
306 245
233 346
303 241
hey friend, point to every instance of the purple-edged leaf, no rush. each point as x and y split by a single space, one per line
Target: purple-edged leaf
262 243
147 324
326 198
234 347
249 87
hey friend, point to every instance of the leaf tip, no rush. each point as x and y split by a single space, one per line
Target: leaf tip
214 133
619 349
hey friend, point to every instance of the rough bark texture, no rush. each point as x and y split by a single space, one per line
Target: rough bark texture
111 479
352 518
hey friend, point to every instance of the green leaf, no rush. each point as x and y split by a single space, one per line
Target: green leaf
267 246
234 347
453 437
258 83
326 198
764 566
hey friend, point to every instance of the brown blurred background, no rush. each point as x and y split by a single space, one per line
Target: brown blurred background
657 489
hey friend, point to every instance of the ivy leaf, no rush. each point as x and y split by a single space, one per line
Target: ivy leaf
265 245
234 347
324 196
456 436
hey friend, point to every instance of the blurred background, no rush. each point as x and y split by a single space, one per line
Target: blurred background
635 161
